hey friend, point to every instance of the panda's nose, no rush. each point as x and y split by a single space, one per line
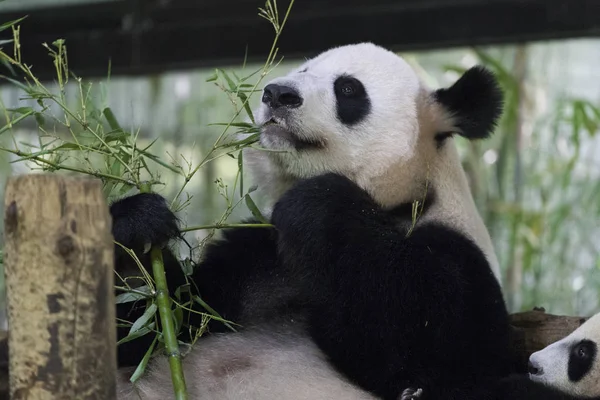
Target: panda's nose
277 96
534 368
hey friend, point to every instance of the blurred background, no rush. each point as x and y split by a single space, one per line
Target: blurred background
536 182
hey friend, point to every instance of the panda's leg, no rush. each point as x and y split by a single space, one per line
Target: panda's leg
390 311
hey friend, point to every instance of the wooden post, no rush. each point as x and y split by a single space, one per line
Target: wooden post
59 281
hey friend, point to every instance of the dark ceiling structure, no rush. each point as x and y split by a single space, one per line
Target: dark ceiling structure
152 36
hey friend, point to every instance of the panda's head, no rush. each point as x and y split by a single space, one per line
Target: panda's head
361 111
573 363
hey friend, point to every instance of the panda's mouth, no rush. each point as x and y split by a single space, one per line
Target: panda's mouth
275 131
272 121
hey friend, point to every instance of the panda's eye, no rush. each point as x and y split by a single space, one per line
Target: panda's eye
583 350
348 89
347 86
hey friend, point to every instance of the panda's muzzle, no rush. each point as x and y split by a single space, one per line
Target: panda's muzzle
276 96
275 127
534 368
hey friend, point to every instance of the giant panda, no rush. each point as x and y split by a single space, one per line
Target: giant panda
571 364
348 296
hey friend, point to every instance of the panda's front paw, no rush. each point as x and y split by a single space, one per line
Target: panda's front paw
411 394
143 220
318 196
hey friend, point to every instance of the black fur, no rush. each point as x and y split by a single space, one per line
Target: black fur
390 311
353 103
143 219
581 359
475 100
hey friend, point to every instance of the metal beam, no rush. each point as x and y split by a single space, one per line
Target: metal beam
153 36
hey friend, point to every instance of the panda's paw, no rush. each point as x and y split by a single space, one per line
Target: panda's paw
142 221
307 203
411 394
319 195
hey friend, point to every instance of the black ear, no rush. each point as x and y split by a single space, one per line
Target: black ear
475 100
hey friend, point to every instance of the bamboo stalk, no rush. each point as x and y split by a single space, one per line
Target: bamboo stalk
163 301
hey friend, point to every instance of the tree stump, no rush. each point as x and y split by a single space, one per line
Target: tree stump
59 281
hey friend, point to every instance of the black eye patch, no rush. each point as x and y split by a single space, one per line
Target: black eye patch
581 359
353 103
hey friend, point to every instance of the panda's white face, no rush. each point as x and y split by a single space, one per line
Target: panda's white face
351 110
571 364
362 112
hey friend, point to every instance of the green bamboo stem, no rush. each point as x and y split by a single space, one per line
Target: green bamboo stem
163 302
225 226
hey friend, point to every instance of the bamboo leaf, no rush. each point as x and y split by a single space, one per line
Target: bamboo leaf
178 318
246 104
212 77
10 24
118 136
21 110
254 209
142 332
241 171
142 365
249 140
39 119
230 82
143 320
25 88
233 124
140 293
111 119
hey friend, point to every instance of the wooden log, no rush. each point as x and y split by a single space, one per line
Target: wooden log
59 281
534 330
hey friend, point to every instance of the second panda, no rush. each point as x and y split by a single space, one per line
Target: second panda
344 298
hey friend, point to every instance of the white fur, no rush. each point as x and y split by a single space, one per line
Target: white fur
554 360
391 154
252 366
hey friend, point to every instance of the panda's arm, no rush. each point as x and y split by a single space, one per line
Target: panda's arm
138 222
388 310
245 258
141 220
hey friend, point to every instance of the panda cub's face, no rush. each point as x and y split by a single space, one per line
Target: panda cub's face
571 364
352 109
